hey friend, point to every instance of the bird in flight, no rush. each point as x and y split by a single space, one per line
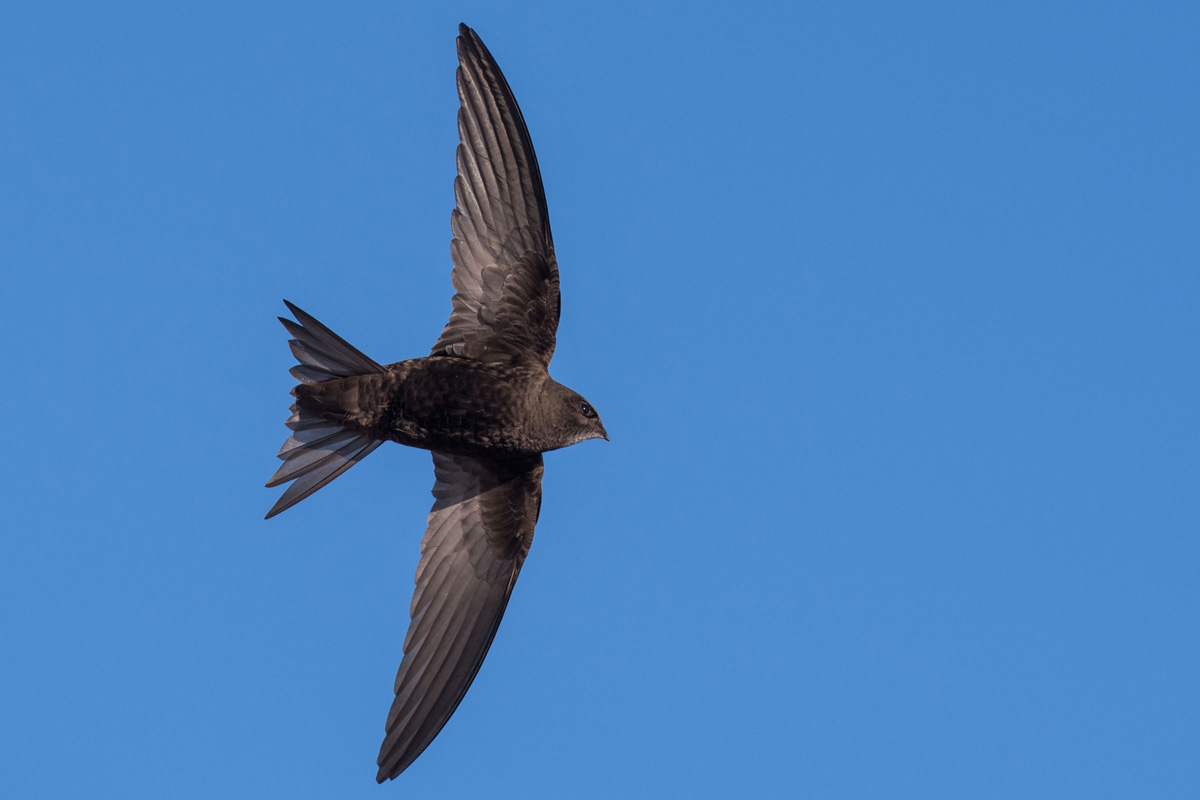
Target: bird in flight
482 402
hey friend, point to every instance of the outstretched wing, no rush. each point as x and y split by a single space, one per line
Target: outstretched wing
506 301
479 532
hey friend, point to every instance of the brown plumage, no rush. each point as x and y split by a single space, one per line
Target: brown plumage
483 402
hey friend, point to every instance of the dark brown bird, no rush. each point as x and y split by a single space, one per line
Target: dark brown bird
483 401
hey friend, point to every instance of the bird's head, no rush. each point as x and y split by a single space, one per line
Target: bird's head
569 418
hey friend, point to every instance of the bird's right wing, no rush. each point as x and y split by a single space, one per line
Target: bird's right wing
506 301
479 532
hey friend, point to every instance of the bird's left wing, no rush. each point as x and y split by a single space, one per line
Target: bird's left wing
479 532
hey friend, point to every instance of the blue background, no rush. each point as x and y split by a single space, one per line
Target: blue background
891 310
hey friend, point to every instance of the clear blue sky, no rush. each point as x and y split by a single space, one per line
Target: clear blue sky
892 312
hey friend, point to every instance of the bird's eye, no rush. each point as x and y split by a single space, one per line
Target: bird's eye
585 409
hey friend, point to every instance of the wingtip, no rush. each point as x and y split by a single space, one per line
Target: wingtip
467 37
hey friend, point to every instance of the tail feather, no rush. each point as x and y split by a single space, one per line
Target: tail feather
303 422
317 475
306 457
307 374
317 347
316 436
319 449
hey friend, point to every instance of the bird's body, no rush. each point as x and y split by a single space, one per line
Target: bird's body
451 405
482 402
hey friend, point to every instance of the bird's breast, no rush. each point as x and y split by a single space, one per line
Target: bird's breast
457 405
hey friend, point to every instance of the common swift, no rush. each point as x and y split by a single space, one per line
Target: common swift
482 401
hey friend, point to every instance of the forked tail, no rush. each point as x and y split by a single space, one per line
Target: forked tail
319 449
